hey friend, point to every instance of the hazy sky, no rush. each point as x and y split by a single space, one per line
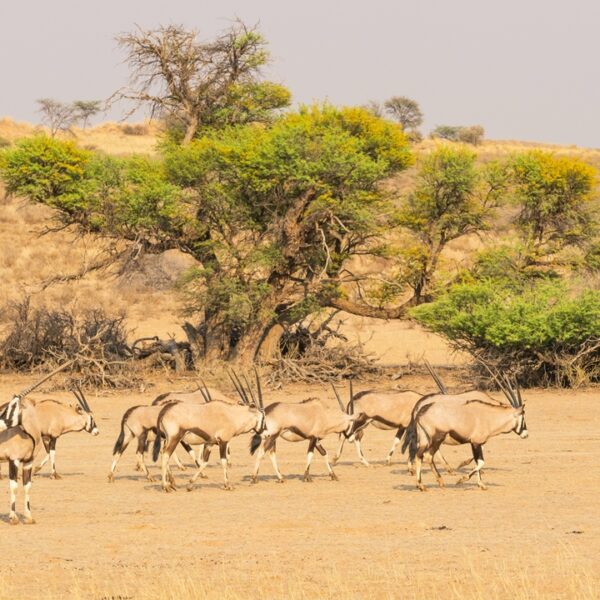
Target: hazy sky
524 69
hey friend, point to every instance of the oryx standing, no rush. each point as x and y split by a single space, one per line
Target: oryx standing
19 438
56 419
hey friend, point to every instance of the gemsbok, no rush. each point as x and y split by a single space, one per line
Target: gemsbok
139 422
56 419
310 421
386 411
19 438
214 423
463 421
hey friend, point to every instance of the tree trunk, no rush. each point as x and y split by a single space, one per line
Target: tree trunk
191 129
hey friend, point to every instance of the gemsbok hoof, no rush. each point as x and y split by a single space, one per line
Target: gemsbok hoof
483 487
307 479
421 487
150 478
461 480
55 476
14 520
282 480
189 487
334 477
253 480
111 478
29 521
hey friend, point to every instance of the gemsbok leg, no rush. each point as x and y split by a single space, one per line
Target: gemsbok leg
338 454
357 438
223 456
120 447
323 453
46 443
478 458
397 438
309 455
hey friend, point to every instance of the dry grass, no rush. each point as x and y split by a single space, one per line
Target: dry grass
112 138
562 577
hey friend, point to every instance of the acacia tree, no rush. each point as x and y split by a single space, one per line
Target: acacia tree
56 115
271 214
453 197
86 109
406 111
554 197
200 84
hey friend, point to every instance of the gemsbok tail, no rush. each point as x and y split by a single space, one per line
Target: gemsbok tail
159 433
255 442
118 447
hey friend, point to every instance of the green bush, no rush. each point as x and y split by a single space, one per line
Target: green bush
540 329
44 169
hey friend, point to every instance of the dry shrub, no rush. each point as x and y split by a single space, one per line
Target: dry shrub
319 355
134 129
42 338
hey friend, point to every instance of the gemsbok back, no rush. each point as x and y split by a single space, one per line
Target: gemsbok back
463 421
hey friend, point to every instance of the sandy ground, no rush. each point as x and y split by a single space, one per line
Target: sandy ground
536 529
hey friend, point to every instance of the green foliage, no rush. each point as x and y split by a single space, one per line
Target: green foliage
540 328
292 200
45 170
554 195
452 198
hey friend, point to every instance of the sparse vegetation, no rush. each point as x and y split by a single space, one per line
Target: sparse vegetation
39 336
473 134
57 115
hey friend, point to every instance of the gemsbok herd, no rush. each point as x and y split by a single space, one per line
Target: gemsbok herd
208 418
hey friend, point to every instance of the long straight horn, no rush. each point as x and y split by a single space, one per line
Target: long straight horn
342 407
30 389
205 391
443 389
518 392
351 403
501 385
259 389
239 387
81 398
250 390
514 398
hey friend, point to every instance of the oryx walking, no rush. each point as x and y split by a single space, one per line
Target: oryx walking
462 419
